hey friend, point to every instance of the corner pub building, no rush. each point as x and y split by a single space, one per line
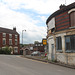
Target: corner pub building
61 34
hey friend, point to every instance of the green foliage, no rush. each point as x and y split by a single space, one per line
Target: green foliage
36 42
54 60
5 50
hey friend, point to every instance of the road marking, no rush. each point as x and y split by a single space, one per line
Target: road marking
40 61
60 70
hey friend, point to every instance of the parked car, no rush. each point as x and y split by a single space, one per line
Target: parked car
36 53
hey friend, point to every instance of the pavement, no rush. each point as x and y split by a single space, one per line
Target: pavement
43 60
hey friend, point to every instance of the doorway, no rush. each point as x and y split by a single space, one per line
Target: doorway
52 52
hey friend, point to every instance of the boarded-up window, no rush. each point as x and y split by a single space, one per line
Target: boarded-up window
58 43
72 19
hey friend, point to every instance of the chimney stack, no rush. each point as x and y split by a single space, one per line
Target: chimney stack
14 28
62 6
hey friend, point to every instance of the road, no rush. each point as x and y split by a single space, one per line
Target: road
16 65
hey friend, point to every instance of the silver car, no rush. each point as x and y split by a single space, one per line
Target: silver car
36 53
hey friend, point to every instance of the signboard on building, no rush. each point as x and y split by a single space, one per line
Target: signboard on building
44 42
51 24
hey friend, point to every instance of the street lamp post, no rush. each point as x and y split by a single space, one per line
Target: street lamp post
22 36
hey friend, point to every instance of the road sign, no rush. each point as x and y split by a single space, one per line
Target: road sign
44 42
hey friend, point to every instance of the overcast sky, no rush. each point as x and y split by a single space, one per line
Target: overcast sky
29 15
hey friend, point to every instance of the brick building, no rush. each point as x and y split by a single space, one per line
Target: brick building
9 38
61 34
38 47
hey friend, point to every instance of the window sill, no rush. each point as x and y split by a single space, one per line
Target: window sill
59 51
4 44
71 27
70 51
10 44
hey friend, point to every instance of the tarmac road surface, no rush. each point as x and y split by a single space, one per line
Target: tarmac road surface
16 65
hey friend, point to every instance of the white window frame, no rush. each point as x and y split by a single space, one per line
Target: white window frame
4 34
16 41
15 51
5 41
10 36
9 41
41 44
38 44
16 36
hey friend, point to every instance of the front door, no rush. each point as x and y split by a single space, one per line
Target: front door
52 52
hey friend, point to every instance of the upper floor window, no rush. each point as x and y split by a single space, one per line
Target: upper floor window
10 41
16 36
15 41
38 44
4 41
10 36
35 44
59 43
4 34
72 19
41 44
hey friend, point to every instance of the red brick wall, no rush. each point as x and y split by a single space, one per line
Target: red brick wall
18 45
62 21
13 39
0 40
7 41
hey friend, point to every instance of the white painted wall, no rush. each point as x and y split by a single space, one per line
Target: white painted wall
67 58
51 24
63 40
50 41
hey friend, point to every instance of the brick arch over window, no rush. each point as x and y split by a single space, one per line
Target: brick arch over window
72 18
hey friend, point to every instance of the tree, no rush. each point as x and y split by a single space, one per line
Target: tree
36 42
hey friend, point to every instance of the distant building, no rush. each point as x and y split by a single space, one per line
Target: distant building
9 38
61 34
38 47
28 48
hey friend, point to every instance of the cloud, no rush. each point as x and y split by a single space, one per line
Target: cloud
32 18
40 6
10 18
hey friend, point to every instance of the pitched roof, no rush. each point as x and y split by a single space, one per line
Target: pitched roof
66 8
9 31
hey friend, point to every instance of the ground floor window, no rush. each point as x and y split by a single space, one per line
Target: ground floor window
70 42
58 43
15 50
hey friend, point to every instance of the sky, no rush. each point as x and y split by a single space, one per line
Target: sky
29 15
